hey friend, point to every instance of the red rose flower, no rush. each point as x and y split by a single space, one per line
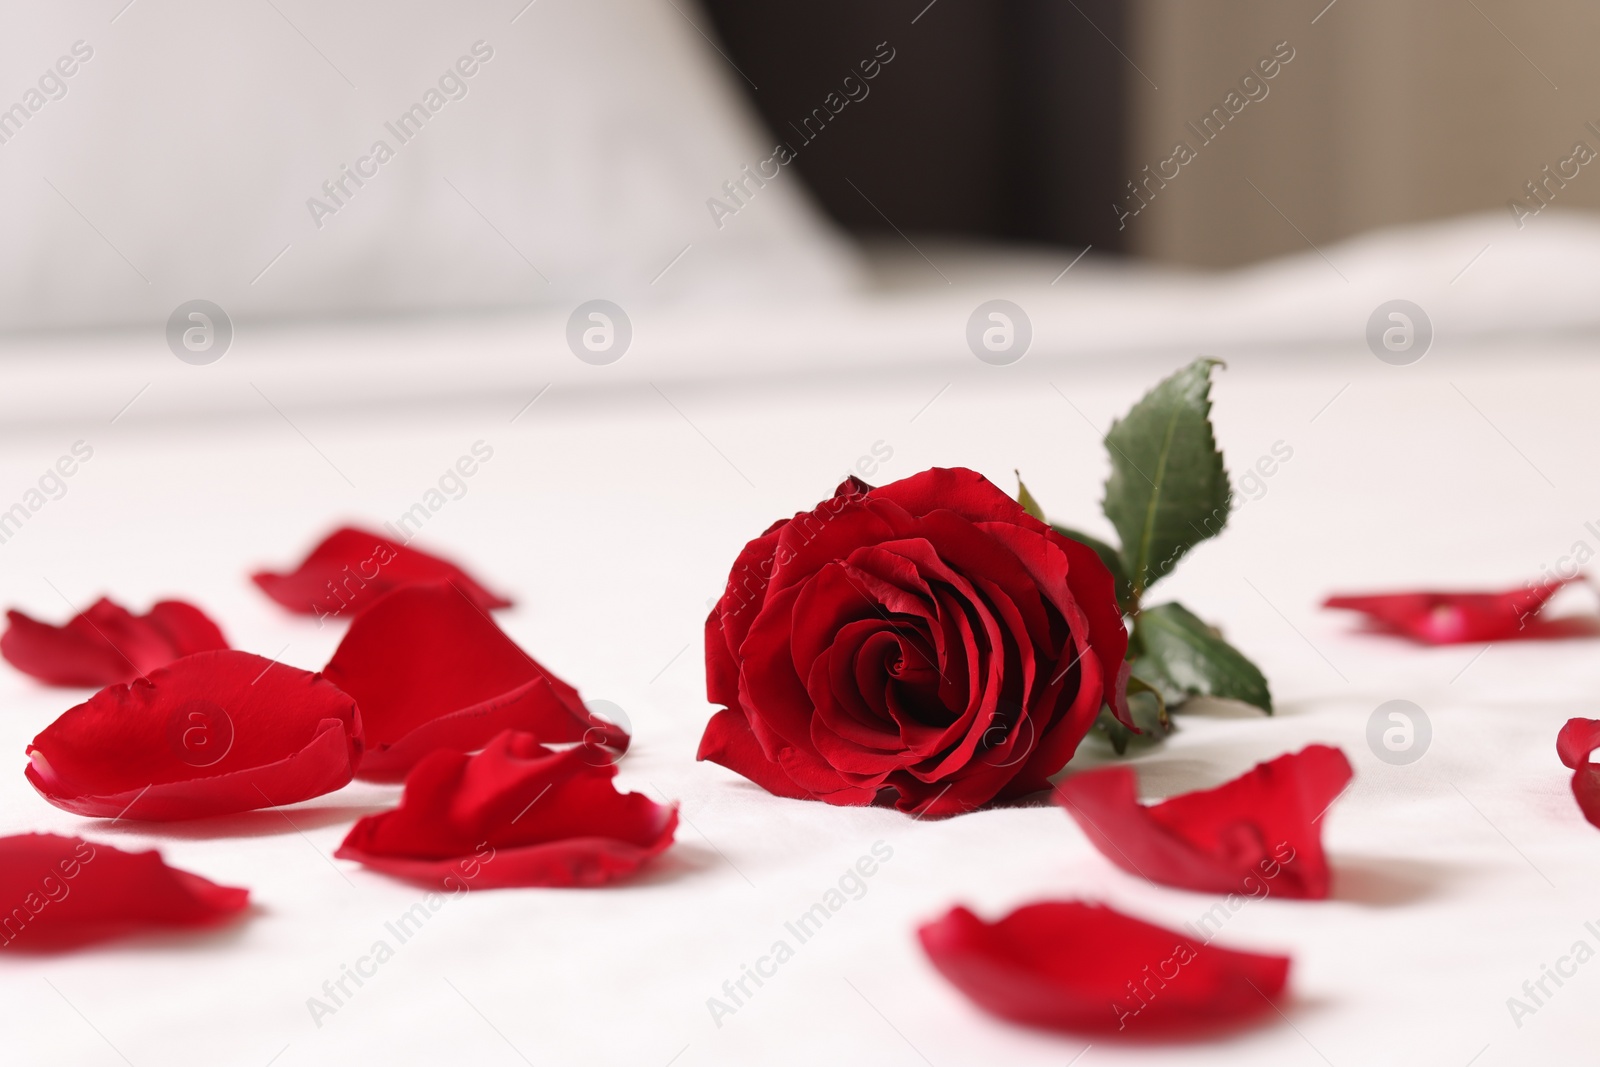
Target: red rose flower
62 892
212 734
1259 834
430 670
1067 965
108 644
352 568
515 814
927 640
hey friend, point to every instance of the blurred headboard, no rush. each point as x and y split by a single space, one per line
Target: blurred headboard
997 118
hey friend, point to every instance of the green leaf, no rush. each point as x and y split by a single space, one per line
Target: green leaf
1112 560
1141 712
1118 734
1168 489
1182 657
1025 498
1149 715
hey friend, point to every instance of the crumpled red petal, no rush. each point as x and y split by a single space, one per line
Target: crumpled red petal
211 734
352 568
430 670
64 892
107 643
1577 739
1258 835
1466 618
515 814
1084 968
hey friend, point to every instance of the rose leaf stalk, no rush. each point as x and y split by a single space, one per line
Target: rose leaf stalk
1167 492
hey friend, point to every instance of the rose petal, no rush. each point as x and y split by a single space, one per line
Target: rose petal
515 814
107 643
1436 618
1586 791
1577 739
64 892
430 670
979 500
211 734
1080 967
1082 589
752 571
352 568
1262 829
729 741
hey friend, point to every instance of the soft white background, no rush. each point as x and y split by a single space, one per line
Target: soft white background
179 163
611 510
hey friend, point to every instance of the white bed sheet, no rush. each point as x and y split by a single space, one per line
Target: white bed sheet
612 510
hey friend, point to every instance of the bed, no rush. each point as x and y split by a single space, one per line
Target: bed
614 501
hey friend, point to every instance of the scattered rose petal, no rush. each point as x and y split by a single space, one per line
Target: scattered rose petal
430 670
515 814
352 568
1258 835
107 643
1070 965
1467 618
1577 739
212 734
62 892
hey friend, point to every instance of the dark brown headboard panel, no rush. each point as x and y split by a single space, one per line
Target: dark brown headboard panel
994 118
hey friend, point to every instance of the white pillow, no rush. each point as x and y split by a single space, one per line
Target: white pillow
179 150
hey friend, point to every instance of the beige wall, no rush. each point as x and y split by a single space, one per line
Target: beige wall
1391 111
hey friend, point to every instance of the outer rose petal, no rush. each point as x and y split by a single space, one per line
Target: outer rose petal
1085 968
1263 825
965 492
515 814
212 734
351 568
1465 618
728 741
107 643
430 670
746 587
64 892
1577 739
1092 599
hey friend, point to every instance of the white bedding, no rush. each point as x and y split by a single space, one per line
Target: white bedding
1479 280
612 509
